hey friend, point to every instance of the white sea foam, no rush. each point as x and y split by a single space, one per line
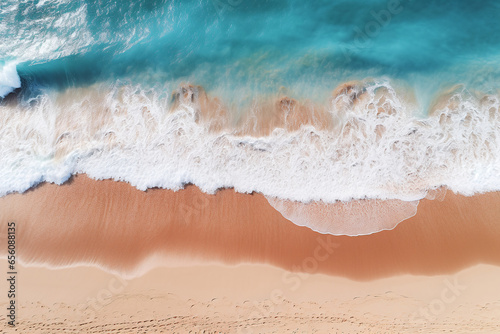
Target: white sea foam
62 32
354 218
131 135
9 79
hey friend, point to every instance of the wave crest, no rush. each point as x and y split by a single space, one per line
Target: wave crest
364 144
9 79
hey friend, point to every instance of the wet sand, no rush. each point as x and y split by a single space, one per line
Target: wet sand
384 279
116 226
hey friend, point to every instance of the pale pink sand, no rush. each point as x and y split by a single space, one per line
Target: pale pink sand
254 299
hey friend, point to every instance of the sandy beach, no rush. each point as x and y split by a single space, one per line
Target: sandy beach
233 166
102 255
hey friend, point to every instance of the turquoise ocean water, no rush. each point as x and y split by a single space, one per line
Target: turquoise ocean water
256 45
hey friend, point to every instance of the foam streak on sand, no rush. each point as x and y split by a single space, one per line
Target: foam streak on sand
356 217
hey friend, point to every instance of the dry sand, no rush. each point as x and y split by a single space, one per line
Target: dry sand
254 299
436 272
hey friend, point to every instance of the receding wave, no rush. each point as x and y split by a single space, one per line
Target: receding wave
364 144
357 217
